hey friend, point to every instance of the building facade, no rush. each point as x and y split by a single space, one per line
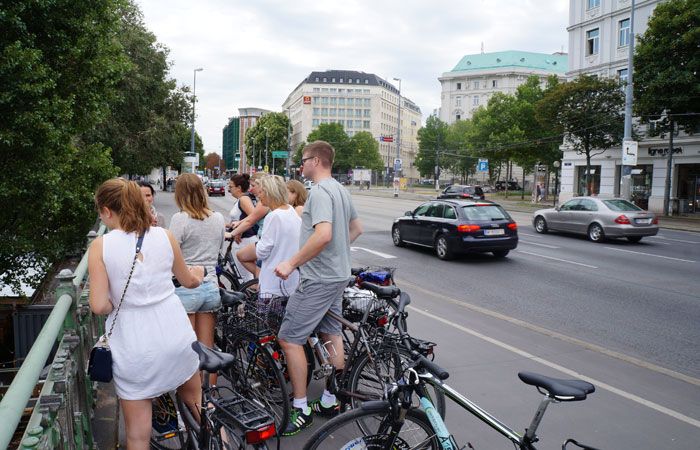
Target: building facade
477 77
599 37
231 144
360 102
234 148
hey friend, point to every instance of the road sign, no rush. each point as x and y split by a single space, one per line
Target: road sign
397 164
629 153
482 165
266 169
282 154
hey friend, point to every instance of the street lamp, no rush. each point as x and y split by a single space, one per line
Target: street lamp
398 144
556 165
267 136
194 95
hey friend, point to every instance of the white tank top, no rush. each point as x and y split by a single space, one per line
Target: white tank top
151 281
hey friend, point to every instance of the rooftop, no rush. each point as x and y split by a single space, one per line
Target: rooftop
556 62
349 77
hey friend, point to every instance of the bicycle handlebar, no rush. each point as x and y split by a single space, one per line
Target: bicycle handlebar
425 363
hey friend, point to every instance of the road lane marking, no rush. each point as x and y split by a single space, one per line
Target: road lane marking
557 259
374 252
565 370
672 239
650 254
537 243
529 235
562 337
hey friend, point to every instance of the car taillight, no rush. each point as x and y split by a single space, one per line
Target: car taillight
513 226
260 435
466 195
655 221
622 220
468 228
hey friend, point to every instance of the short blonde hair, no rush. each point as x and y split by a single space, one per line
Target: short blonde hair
191 197
275 190
298 188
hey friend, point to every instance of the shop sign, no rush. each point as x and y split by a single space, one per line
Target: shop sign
307 99
664 151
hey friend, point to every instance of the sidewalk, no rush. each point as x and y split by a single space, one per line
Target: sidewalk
514 203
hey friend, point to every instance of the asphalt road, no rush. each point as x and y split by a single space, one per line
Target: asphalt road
624 316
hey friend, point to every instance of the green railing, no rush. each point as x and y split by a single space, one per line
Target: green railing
61 416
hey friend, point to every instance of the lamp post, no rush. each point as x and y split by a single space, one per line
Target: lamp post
194 96
267 136
397 171
626 171
556 165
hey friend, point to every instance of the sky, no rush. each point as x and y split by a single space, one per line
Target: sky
254 53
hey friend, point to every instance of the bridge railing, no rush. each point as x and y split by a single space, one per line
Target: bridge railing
61 416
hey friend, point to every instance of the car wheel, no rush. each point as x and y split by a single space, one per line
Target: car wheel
501 253
596 233
396 236
634 239
540 225
442 250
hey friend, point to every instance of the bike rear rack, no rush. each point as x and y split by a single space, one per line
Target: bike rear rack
234 410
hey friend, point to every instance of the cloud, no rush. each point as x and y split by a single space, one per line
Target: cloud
255 53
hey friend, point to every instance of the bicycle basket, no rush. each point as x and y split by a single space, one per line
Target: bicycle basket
357 301
271 308
243 322
382 276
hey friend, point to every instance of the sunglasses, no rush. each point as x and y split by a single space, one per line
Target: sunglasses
303 160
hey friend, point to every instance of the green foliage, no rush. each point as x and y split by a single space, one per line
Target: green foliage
588 111
667 63
59 71
271 126
431 139
334 134
365 151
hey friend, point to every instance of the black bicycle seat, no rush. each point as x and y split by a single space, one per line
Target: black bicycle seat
231 298
211 360
381 291
355 271
563 390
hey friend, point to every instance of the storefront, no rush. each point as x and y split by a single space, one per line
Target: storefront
689 188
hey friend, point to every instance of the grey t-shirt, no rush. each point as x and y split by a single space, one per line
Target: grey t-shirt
328 202
200 240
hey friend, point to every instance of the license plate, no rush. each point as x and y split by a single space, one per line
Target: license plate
497 232
642 221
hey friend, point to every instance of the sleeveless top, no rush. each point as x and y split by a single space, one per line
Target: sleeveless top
237 214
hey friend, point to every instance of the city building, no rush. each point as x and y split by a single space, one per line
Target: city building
233 148
360 102
477 77
599 37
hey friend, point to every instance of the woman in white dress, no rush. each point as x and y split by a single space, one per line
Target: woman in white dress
152 337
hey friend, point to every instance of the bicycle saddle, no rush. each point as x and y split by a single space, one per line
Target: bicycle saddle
562 390
381 291
211 360
231 298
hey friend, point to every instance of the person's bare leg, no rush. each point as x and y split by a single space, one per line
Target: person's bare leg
191 394
204 329
137 421
247 258
296 367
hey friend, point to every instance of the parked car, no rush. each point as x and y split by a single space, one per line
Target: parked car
216 187
598 218
512 186
487 188
462 191
453 227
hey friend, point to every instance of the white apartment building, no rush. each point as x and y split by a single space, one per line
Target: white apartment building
477 77
360 102
599 37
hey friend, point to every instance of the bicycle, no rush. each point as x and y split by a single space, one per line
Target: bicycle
229 420
229 277
167 429
395 424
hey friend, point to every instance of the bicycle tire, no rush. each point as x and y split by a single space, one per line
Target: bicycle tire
342 432
191 425
169 439
363 370
259 375
227 281
249 288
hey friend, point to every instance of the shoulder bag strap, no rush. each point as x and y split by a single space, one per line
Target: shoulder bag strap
139 243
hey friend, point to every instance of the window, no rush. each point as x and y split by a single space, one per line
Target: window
368 102
350 80
357 81
592 41
317 90
365 91
422 210
365 124
341 102
332 112
571 205
332 80
457 117
341 90
324 120
317 111
350 101
458 101
324 100
341 80
334 101
623 33
494 83
358 113
324 111
488 213
622 75
314 122
621 205
475 100
334 90
358 124
348 123
459 86
590 4
324 89
315 100
366 81
587 204
341 112
476 85
366 112
437 210
449 213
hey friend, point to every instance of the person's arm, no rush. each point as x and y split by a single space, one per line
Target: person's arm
246 224
189 277
264 246
322 235
355 229
99 281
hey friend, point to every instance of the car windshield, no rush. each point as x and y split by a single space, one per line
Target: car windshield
217 184
621 205
485 212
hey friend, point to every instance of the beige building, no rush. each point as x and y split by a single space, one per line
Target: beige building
248 117
360 102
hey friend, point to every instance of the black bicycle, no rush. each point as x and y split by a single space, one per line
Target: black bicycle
229 277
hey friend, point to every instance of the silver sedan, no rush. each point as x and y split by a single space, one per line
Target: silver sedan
598 218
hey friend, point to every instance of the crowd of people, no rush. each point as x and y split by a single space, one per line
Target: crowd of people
295 242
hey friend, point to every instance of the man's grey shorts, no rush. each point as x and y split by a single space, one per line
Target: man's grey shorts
306 310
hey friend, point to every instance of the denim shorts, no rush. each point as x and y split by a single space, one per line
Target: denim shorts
204 298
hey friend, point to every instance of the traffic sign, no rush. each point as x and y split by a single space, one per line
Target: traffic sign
397 164
282 154
629 153
266 169
482 165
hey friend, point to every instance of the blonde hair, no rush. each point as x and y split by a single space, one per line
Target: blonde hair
275 190
298 188
191 197
125 199
257 176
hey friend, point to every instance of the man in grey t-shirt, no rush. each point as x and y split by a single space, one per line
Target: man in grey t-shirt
329 225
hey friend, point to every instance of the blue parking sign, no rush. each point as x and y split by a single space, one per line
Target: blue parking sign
482 165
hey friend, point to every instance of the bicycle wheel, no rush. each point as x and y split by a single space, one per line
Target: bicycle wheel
343 432
258 375
228 281
370 378
250 288
167 431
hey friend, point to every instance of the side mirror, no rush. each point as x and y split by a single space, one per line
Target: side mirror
408 213
557 208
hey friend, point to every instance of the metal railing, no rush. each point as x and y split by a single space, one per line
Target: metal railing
61 416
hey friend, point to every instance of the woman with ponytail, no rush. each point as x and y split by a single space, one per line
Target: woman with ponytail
151 336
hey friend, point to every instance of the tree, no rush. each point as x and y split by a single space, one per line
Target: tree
459 158
588 111
271 127
431 139
59 71
334 134
214 163
667 63
365 151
